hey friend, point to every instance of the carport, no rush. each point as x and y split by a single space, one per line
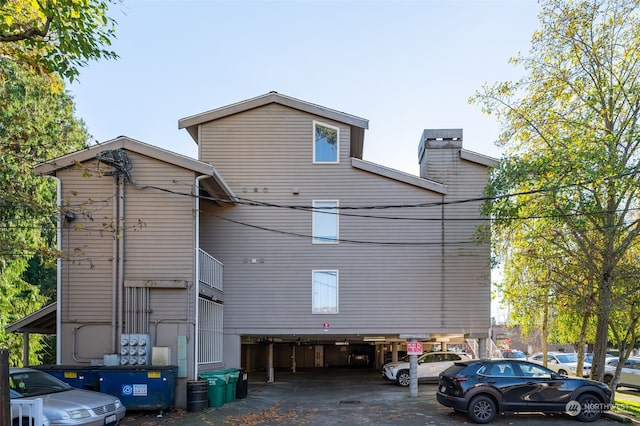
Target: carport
42 321
290 353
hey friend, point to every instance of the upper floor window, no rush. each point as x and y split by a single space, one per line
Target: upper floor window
325 292
326 143
325 222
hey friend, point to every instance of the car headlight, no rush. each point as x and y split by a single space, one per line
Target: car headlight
79 414
117 403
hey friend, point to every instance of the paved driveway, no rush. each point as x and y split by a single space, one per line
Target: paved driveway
334 397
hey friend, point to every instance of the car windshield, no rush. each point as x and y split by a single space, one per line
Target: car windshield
566 358
33 383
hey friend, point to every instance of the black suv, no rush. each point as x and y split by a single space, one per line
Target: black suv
484 388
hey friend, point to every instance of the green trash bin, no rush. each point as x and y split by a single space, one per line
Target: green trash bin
216 391
217 382
233 374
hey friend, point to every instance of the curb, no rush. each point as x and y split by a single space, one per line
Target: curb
618 417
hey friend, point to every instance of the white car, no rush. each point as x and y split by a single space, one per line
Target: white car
562 363
430 365
63 404
629 375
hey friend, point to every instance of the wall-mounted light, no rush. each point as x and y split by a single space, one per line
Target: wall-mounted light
69 216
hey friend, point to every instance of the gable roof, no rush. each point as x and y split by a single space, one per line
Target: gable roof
357 124
215 184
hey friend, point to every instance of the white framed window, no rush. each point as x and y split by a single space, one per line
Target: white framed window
325 222
326 143
324 299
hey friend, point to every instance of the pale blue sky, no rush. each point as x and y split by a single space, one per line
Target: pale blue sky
403 65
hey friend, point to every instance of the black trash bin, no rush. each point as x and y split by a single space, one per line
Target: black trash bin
242 384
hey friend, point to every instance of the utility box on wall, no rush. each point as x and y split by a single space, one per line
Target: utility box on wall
135 349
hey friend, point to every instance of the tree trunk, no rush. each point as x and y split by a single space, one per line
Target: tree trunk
581 343
602 326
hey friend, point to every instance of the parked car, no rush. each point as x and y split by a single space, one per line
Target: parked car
63 404
402 356
430 364
562 363
513 353
359 359
484 388
588 357
629 375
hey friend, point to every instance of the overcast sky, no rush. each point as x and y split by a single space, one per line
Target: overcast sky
403 65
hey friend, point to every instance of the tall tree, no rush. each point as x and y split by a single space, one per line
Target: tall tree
571 139
37 123
56 36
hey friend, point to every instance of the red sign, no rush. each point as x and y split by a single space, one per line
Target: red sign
326 325
414 348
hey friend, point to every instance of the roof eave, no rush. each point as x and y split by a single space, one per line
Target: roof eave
191 123
399 176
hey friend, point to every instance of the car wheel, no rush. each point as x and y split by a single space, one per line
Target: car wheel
562 372
590 408
403 378
481 409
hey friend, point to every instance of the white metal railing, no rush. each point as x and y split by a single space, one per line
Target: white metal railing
210 331
28 408
473 346
210 270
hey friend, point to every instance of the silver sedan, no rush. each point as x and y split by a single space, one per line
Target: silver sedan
62 404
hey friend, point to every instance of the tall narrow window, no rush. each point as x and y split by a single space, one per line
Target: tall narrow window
325 222
325 292
326 143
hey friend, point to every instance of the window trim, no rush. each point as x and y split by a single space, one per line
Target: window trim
320 240
313 138
316 311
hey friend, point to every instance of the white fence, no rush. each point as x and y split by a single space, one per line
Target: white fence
27 408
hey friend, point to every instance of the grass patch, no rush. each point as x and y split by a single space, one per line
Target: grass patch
627 406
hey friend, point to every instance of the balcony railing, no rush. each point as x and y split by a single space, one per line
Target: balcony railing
210 270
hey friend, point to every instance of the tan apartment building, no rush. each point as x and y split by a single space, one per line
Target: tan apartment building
280 247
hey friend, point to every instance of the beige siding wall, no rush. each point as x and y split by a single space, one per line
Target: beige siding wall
467 271
159 245
391 276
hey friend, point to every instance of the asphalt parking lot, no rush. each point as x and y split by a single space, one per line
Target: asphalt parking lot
334 397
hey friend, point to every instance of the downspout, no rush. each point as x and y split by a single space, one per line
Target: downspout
120 238
114 271
197 272
58 268
443 253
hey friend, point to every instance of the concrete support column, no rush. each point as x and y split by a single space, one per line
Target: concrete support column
270 377
482 347
293 358
394 351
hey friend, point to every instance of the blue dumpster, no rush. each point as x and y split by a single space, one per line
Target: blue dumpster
141 387
74 375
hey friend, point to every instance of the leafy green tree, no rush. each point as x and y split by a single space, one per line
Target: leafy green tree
56 36
37 123
570 134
